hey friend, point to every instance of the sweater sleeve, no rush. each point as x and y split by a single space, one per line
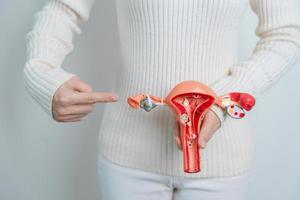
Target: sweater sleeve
50 40
276 51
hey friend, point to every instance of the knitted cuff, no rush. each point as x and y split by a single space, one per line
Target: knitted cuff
42 81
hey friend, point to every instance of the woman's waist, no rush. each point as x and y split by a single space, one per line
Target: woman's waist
120 117
122 126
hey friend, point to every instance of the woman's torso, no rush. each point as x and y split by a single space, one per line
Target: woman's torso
162 43
173 40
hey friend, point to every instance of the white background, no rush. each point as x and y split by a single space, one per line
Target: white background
44 160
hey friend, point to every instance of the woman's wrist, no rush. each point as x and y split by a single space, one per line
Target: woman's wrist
219 112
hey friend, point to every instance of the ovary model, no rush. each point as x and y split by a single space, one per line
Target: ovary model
191 100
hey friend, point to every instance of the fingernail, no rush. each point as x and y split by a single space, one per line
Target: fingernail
203 144
115 97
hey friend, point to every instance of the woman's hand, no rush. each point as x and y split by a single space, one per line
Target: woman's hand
210 124
75 99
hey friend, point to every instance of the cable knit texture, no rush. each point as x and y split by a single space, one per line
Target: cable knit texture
164 42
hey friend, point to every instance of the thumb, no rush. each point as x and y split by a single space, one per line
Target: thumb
204 133
178 142
78 85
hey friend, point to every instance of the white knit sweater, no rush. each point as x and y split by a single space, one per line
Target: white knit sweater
164 42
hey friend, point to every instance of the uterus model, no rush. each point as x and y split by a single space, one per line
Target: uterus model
190 101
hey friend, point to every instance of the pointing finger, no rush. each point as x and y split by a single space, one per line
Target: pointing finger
93 97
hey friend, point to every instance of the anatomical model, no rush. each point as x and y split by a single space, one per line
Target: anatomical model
190 100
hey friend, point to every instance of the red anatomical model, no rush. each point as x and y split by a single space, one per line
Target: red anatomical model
190 100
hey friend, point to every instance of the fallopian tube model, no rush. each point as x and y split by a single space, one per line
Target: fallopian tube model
191 100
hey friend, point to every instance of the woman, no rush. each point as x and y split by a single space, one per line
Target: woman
164 42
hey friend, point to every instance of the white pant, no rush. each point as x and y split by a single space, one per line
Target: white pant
123 183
